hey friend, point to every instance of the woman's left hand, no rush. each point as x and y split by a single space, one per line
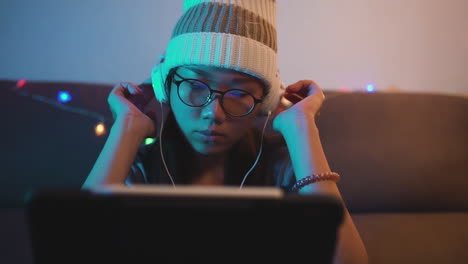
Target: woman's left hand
307 98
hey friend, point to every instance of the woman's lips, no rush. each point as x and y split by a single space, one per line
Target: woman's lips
210 135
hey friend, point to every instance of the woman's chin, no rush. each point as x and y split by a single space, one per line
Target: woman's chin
209 149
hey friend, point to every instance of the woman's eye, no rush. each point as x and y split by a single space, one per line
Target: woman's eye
237 93
197 86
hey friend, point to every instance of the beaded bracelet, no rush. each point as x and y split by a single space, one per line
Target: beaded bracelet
333 176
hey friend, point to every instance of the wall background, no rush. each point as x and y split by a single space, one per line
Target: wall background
406 45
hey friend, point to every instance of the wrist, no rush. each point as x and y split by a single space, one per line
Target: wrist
305 148
129 127
315 181
302 127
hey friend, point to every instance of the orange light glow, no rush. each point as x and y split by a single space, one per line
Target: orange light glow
100 129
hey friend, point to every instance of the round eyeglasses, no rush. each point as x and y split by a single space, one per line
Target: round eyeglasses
195 93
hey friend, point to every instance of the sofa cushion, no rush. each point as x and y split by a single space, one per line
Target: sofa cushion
414 237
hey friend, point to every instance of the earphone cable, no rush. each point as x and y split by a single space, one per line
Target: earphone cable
160 133
259 152
161 148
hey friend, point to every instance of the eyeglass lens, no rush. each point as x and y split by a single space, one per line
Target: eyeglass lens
234 102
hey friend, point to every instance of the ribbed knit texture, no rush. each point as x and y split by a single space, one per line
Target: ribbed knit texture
231 34
222 18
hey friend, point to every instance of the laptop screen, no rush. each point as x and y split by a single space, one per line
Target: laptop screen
151 224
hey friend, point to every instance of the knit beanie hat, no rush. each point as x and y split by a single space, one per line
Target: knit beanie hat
231 34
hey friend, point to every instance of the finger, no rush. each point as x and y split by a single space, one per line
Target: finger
302 88
119 90
299 90
122 92
292 97
131 88
317 91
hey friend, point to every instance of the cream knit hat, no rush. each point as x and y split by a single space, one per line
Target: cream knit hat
232 34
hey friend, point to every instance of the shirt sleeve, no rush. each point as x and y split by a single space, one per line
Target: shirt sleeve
285 177
137 173
283 171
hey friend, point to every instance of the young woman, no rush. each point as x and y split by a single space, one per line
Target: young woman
217 80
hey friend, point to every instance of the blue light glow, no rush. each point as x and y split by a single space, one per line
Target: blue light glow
64 97
370 88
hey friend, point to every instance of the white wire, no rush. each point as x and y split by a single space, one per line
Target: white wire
161 129
259 152
160 147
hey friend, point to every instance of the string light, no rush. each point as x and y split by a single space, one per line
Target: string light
343 89
20 83
64 96
100 129
149 141
370 88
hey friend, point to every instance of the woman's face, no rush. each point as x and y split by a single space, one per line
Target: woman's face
209 129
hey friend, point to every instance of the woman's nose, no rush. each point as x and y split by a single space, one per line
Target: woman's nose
213 110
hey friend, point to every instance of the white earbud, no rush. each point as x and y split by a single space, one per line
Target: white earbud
285 102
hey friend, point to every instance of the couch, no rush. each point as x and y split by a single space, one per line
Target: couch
403 158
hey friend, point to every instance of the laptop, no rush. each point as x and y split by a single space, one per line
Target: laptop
187 224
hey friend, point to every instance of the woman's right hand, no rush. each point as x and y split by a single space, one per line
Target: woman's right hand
126 114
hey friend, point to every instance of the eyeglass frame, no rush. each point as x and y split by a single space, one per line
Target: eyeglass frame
211 97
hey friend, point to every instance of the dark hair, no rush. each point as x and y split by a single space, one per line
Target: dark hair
168 83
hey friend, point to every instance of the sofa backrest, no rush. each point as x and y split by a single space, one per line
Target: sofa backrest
395 152
398 151
43 145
